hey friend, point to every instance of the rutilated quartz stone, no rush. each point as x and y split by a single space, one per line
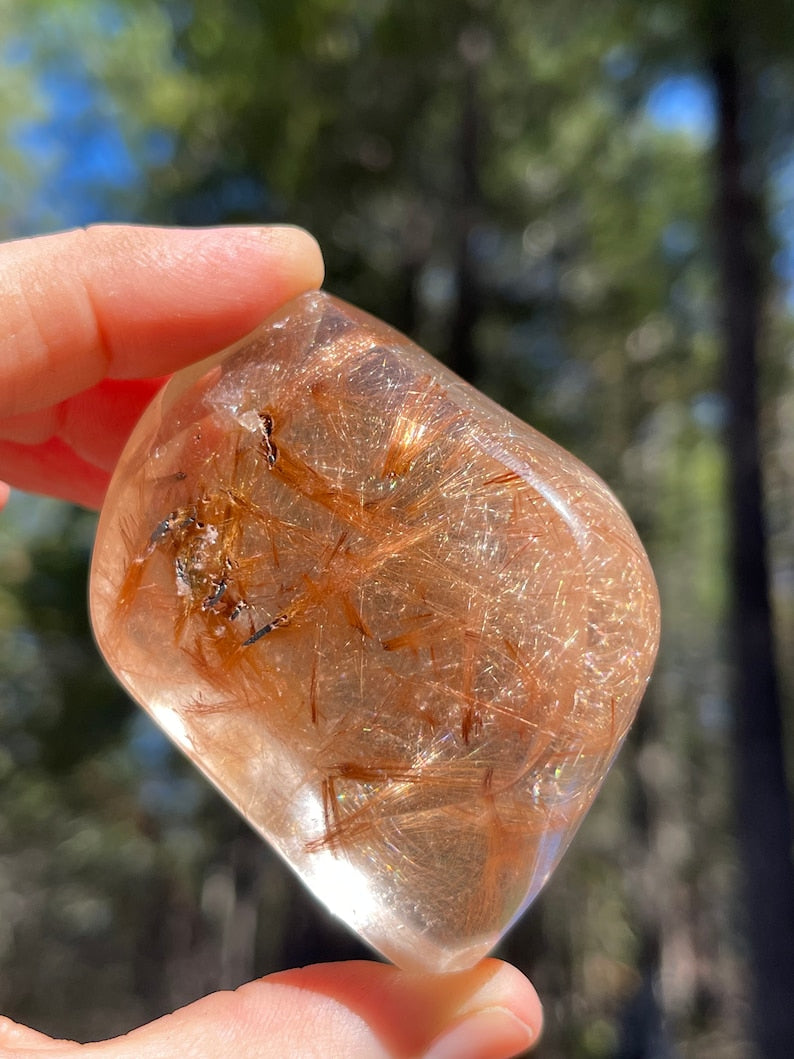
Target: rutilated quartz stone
400 630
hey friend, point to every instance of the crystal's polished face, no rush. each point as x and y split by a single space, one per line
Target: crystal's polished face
400 630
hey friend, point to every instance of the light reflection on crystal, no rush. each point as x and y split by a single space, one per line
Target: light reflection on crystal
401 631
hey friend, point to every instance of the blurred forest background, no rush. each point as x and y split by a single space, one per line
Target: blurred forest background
587 208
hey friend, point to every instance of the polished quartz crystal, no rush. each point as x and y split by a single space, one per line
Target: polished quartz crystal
400 630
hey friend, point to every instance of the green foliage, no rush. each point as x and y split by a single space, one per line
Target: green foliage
492 157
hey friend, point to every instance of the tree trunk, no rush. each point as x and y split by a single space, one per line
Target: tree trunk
643 1032
461 355
764 821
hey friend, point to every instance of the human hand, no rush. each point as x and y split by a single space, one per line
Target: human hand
353 1010
92 321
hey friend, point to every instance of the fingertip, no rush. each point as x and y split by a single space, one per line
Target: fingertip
300 252
184 293
490 1011
502 1018
511 988
5 492
262 266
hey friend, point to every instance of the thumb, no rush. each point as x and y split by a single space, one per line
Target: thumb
357 1010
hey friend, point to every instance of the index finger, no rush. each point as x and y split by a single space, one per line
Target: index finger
130 302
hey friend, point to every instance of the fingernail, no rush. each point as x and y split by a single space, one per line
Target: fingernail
491 1034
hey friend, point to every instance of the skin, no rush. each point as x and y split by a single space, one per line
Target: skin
93 321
